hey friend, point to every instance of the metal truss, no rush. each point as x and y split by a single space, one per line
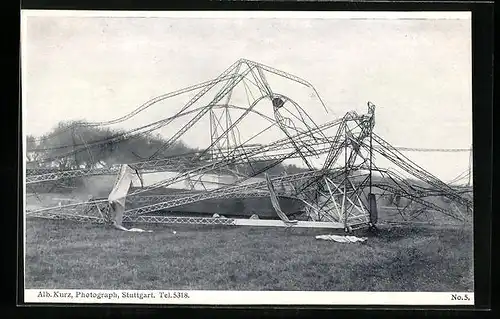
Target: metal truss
334 193
248 190
71 217
179 220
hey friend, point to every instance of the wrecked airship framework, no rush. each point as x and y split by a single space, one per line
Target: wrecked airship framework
342 193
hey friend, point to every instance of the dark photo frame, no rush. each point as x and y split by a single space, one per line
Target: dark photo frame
482 140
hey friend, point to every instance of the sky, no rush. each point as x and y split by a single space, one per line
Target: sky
416 71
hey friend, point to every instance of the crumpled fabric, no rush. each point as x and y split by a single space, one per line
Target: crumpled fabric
342 239
138 230
122 185
118 195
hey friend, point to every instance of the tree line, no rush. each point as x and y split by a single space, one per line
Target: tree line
79 144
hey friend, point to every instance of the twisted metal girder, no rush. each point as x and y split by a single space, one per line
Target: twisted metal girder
406 164
248 190
232 157
219 96
292 146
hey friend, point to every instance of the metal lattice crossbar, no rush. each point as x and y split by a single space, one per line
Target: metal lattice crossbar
179 220
71 217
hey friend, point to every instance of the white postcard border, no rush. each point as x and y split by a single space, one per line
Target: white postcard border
395 15
215 297
205 297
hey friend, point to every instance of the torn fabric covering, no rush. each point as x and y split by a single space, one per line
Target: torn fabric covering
342 239
276 205
118 195
122 185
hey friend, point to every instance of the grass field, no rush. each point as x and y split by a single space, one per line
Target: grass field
64 254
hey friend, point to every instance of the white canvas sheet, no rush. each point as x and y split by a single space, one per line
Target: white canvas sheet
342 239
122 185
118 195
137 230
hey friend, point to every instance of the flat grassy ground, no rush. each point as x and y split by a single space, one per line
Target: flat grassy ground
64 254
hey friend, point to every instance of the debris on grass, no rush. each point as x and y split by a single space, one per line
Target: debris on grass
342 239
137 230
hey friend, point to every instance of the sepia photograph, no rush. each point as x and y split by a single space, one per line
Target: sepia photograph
318 157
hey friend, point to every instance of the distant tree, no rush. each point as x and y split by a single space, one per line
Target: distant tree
33 154
75 144
294 169
31 146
